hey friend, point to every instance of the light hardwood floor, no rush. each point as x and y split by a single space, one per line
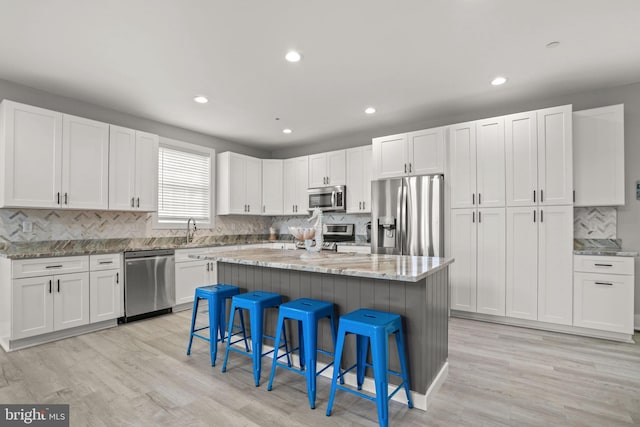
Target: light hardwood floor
138 374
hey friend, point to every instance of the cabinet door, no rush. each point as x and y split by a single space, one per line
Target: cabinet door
253 185
190 275
463 249
146 171
290 187
598 156
318 170
522 263
122 168
426 151
32 311
355 177
367 172
603 302
85 163
32 157
555 156
390 156
302 180
555 265
490 173
272 187
237 184
462 158
105 295
491 261
521 149
296 178
336 167
70 300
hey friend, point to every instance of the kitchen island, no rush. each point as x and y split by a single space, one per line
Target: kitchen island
414 287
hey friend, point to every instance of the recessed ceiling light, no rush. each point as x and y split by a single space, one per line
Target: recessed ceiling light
201 99
293 56
287 131
553 44
499 81
370 110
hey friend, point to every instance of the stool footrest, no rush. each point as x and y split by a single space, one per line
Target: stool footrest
357 393
202 337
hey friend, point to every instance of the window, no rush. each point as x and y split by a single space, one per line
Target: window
184 184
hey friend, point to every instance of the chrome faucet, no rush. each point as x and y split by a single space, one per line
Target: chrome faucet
189 233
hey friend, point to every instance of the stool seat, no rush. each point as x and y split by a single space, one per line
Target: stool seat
256 303
372 326
308 313
216 296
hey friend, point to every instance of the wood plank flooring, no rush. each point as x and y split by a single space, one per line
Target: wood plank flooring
138 375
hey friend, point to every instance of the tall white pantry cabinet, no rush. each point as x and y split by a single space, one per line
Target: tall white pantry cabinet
511 216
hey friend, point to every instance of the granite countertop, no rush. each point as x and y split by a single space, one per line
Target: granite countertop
389 267
601 247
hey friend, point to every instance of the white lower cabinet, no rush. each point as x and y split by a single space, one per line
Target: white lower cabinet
604 300
491 261
105 294
522 263
462 272
70 301
190 275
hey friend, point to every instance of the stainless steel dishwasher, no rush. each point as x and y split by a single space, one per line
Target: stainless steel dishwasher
149 283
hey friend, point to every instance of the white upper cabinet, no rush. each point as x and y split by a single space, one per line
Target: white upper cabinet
462 165
555 156
521 149
296 182
133 170
490 163
359 170
327 169
272 187
414 153
598 156
85 160
239 184
31 147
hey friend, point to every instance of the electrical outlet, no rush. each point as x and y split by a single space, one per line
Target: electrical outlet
27 227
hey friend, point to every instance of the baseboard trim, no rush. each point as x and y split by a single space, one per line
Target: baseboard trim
637 322
22 343
544 326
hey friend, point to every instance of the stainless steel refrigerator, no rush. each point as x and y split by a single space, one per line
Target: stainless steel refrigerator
407 216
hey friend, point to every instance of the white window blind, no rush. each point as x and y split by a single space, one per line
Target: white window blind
184 180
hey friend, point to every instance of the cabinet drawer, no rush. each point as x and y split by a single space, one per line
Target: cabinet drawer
105 262
603 264
603 301
35 267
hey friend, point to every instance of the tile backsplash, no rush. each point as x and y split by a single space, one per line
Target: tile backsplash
595 223
282 223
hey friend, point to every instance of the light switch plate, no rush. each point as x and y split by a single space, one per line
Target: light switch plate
27 226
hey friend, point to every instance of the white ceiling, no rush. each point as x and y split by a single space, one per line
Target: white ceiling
409 59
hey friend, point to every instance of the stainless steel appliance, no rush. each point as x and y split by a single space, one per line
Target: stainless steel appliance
407 216
333 233
149 283
328 199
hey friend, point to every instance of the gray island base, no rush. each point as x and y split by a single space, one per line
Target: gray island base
414 287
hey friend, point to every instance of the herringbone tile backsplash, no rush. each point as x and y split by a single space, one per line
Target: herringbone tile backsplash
595 223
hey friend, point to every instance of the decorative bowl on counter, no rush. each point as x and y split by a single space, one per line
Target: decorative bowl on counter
303 233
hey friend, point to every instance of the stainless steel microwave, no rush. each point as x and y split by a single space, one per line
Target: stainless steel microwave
329 199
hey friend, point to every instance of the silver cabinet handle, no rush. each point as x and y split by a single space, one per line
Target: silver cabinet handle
479 198
66 199
479 216
473 198
58 197
409 167
541 196
534 196
534 215
105 262
359 206
58 285
138 201
208 266
54 266
364 205
473 216
117 277
264 208
603 265
248 208
604 283
133 199
405 168
541 214
50 283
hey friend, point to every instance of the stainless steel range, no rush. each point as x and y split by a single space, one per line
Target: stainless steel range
332 234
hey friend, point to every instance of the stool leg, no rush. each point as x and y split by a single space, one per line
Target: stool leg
337 360
301 345
362 344
214 324
380 356
256 321
333 336
310 343
403 364
226 353
275 350
222 323
244 331
193 324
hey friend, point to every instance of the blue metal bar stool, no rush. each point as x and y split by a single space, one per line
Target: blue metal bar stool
256 302
216 296
375 326
308 313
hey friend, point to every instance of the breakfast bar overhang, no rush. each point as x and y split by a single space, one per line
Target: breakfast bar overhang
414 287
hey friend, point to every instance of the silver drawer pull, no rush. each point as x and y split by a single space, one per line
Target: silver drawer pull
604 265
105 262
54 266
604 283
